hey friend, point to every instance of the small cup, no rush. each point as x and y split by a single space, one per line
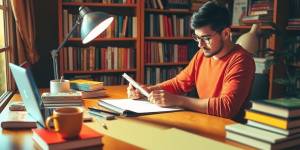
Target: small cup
59 86
67 121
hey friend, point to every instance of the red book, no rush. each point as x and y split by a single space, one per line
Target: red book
53 140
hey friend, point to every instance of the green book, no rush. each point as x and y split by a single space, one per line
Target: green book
260 138
281 107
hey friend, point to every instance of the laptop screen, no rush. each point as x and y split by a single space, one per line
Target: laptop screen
29 92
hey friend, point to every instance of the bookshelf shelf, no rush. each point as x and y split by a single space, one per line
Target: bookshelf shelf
292 29
101 71
150 10
168 38
167 64
124 39
264 27
90 4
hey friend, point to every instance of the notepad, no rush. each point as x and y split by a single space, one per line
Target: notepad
129 107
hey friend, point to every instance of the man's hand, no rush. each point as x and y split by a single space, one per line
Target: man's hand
133 93
164 98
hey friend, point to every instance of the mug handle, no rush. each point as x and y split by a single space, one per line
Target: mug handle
49 119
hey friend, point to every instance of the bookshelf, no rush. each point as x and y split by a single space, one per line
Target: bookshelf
167 45
273 12
154 52
114 52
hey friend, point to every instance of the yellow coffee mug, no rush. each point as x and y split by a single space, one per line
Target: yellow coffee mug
67 121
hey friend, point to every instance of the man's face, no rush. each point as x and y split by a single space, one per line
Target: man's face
209 41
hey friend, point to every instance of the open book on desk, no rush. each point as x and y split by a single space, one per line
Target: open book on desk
129 107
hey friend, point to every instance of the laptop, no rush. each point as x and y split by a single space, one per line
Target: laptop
29 92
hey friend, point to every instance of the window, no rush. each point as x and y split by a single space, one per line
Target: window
4 49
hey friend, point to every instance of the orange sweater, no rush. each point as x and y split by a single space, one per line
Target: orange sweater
225 82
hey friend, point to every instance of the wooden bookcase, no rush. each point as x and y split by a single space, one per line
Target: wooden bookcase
130 42
164 43
275 42
280 16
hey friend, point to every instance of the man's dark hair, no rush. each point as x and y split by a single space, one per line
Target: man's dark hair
213 14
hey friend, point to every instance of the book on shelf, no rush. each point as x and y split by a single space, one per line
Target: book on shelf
259 138
281 107
271 120
17 120
51 140
129 107
159 25
286 132
86 85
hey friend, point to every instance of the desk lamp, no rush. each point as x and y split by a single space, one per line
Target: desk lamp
92 25
249 40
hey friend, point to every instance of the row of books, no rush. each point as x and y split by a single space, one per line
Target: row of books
156 75
252 11
158 25
293 23
95 58
122 26
272 124
168 4
104 1
159 52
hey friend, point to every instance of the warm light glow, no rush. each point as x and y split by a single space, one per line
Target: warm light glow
98 30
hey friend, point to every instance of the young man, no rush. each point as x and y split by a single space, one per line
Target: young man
221 71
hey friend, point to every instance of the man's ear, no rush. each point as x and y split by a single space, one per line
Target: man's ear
226 33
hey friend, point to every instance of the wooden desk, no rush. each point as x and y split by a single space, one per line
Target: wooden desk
204 125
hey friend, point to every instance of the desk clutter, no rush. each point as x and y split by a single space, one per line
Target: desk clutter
272 124
80 88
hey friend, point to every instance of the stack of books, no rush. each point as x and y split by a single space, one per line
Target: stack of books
272 124
46 139
51 101
293 23
88 88
260 11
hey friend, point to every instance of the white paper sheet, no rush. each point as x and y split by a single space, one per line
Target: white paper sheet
138 106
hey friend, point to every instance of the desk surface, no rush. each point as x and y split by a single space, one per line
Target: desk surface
201 124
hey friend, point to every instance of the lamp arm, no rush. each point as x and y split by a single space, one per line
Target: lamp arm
54 52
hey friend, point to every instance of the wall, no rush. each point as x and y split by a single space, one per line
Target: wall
46 40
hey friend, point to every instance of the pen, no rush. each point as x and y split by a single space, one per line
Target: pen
104 115
100 110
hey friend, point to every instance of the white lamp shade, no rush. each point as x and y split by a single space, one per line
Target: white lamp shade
249 40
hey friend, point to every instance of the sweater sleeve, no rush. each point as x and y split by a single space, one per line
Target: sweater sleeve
184 81
236 88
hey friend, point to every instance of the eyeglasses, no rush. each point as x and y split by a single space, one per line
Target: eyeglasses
206 39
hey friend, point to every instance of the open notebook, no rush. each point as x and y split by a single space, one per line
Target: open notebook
129 107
